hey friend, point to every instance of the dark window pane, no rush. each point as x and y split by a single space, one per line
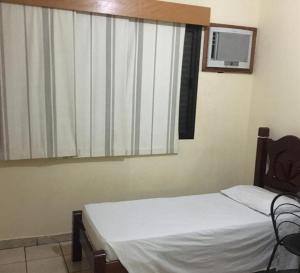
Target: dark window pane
189 81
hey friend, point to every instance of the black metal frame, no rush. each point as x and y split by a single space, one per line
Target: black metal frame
277 224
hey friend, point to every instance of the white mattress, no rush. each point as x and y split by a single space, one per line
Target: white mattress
207 233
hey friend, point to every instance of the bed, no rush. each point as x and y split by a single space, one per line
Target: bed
201 233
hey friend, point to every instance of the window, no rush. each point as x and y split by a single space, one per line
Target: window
110 90
189 81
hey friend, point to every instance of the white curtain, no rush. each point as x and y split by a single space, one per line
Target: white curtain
37 83
82 85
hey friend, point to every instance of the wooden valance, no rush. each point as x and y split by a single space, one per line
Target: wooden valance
144 9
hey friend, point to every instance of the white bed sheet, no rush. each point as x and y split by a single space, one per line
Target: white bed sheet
207 233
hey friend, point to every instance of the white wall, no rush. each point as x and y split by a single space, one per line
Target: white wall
276 90
37 197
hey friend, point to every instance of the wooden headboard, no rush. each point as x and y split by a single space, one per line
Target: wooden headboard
277 162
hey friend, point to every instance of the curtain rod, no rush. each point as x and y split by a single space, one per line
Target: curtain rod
143 9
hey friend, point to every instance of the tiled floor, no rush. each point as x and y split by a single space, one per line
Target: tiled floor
53 258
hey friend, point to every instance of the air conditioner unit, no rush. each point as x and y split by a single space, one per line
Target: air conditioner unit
229 48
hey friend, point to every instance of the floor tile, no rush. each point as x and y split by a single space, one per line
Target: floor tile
66 248
76 266
42 252
13 268
14 255
52 265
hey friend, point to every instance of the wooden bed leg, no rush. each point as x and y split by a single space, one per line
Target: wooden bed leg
99 262
261 156
76 245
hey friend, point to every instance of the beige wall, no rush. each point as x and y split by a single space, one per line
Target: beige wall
276 93
37 197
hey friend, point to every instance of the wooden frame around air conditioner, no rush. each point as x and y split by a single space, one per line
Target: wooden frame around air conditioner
205 67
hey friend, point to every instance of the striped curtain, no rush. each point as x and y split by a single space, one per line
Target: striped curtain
82 85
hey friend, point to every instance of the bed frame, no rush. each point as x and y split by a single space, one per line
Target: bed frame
277 163
277 167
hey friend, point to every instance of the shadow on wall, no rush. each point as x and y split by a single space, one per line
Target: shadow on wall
69 160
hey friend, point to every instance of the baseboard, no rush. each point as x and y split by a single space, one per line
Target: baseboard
33 241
